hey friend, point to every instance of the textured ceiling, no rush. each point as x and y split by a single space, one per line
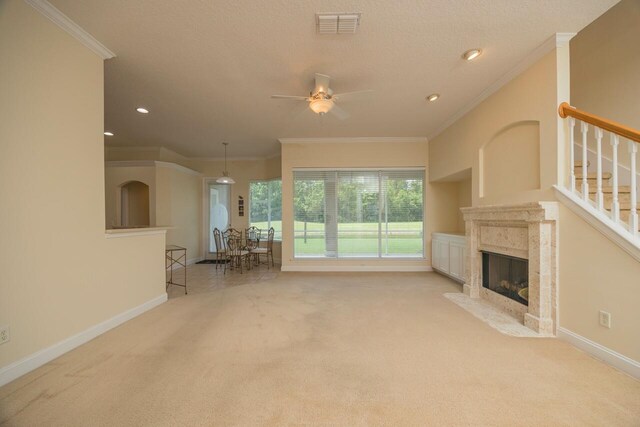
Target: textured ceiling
206 68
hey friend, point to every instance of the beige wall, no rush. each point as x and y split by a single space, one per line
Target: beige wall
440 200
522 109
61 275
594 273
464 201
179 205
605 64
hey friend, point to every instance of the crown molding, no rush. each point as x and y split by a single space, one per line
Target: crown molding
553 42
229 159
150 163
62 21
359 139
120 148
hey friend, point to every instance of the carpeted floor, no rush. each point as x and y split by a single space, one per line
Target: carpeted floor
319 349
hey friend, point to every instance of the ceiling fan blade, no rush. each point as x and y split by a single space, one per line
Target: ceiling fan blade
337 111
322 83
301 98
346 95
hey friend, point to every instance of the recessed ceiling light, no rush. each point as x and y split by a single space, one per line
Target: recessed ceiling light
142 110
108 133
472 54
433 97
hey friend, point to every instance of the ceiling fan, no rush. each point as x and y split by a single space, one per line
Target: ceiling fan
322 100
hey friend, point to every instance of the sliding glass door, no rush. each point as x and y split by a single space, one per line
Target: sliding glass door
358 213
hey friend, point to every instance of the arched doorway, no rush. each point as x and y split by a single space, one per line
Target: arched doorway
134 204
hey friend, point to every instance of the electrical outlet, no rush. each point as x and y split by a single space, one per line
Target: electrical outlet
605 319
4 334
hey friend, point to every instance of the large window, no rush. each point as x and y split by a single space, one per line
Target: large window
265 206
358 213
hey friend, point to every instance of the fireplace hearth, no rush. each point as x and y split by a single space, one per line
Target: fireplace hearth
506 275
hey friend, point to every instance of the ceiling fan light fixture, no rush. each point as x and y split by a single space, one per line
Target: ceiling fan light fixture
225 178
472 54
321 105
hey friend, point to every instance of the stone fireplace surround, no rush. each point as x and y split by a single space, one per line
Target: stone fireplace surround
528 231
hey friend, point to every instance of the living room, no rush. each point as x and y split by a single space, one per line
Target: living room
456 136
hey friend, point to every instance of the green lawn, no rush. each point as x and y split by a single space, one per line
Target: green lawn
357 239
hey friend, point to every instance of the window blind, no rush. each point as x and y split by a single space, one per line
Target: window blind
358 213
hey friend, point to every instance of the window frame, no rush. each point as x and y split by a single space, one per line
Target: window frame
268 204
423 257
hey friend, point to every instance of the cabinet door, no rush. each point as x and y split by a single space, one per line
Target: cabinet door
435 253
443 254
456 260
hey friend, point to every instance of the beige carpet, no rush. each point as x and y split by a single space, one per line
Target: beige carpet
319 349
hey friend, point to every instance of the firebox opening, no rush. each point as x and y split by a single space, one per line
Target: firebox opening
506 275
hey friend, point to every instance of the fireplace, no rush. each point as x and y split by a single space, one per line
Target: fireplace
522 282
506 275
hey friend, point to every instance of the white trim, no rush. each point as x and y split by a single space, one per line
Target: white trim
601 222
178 167
359 139
129 163
229 159
356 268
553 42
150 163
191 261
117 233
62 21
135 148
613 358
39 358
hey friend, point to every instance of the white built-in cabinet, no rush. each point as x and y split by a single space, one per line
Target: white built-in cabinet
448 254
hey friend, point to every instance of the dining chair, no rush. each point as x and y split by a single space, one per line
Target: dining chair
268 250
221 250
252 236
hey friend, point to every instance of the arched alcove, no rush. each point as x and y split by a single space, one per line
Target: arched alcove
510 161
134 204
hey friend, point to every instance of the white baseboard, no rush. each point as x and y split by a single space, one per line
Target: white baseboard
39 358
617 360
356 268
444 273
195 260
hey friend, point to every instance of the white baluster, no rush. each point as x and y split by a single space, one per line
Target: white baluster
633 216
615 205
585 184
572 123
599 195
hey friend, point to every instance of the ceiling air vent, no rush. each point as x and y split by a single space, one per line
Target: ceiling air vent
337 23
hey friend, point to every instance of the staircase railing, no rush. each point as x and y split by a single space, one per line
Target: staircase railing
606 200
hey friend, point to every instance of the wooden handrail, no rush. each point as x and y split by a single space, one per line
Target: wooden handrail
625 131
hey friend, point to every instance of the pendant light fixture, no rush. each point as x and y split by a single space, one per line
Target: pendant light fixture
225 178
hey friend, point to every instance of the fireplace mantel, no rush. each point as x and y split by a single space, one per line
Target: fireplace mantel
528 231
